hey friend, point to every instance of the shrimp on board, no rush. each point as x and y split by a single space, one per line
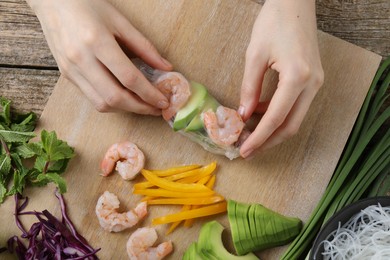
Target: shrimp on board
126 158
224 126
113 221
140 245
176 88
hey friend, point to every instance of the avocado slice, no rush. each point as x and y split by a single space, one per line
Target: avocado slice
255 227
244 231
275 229
234 226
192 107
192 253
210 244
197 122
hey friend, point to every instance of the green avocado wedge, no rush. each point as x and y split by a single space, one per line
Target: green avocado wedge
191 253
192 107
210 245
259 228
197 122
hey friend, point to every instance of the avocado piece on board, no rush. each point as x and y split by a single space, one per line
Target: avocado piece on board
275 229
192 107
192 253
266 228
244 231
210 244
197 122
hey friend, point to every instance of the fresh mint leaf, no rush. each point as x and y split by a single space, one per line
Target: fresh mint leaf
58 166
24 151
3 192
55 178
51 154
10 136
40 163
5 166
56 149
5 115
19 183
24 123
37 148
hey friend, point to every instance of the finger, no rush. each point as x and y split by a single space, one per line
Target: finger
281 104
255 68
140 45
113 94
76 78
262 107
129 76
292 123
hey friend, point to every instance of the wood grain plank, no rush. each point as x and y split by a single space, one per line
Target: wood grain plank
22 42
29 89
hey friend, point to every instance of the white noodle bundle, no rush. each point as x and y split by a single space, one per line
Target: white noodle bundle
365 236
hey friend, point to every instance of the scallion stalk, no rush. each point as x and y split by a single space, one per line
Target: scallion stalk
353 174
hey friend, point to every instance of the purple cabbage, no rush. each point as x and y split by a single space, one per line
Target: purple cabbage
49 238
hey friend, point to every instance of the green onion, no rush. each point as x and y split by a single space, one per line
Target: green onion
361 162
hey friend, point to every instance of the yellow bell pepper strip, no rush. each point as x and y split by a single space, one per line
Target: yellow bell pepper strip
147 198
210 184
173 186
187 201
174 225
175 170
204 171
191 179
173 194
204 180
192 213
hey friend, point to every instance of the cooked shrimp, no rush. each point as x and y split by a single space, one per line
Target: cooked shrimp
113 221
223 126
176 88
127 157
140 245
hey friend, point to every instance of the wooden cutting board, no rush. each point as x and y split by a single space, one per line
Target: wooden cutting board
206 41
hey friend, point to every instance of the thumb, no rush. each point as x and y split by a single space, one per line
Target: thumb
255 68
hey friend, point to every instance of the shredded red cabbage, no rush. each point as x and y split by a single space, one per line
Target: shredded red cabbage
49 238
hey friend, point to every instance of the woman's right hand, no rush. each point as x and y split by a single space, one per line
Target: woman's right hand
84 38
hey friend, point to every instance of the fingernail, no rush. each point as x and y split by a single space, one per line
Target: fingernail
162 104
167 63
241 111
247 153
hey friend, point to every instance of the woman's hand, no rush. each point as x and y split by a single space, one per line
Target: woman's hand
84 37
284 38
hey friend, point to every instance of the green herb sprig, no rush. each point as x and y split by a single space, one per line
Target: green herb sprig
24 163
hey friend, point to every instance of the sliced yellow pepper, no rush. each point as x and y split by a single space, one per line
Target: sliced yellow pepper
204 171
147 198
175 170
210 184
173 186
174 225
173 194
208 170
187 201
192 213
